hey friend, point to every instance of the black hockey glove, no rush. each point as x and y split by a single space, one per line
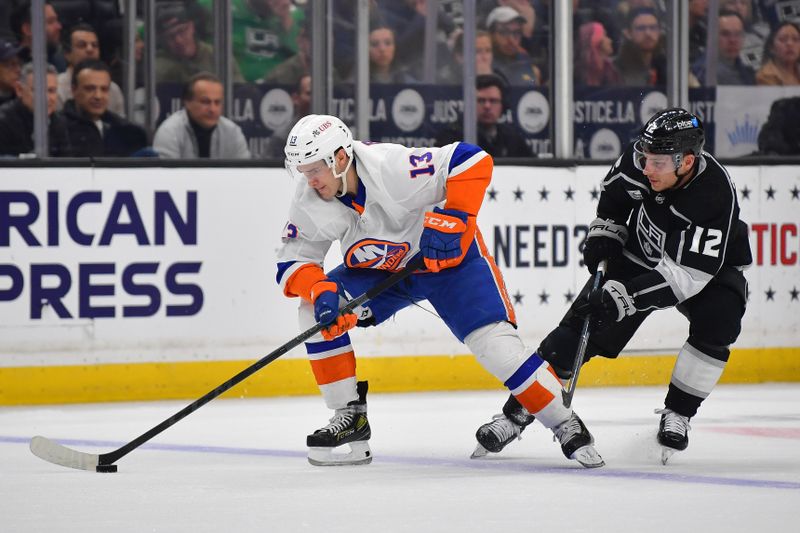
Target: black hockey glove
611 303
604 242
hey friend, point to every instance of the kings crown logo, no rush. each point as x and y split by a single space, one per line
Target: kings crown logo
744 133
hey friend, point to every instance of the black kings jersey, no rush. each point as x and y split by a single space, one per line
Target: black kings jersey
683 236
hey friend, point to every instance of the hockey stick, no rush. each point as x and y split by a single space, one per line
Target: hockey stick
56 453
569 390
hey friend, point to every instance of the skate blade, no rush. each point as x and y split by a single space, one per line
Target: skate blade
359 454
588 457
666 453
479 452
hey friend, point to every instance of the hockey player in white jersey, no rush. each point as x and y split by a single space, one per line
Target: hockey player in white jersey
387 203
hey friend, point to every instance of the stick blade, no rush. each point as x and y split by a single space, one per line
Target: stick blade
55 453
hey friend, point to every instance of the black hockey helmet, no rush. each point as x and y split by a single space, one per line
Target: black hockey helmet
673 131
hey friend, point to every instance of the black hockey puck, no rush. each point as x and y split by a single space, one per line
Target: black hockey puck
106 469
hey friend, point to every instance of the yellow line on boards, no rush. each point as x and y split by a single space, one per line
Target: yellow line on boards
190 380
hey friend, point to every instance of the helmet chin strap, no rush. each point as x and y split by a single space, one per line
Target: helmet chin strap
342 176
681 177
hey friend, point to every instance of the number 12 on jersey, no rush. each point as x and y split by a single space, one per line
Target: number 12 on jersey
417 163
708 245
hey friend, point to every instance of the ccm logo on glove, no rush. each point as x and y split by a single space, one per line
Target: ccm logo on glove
446 235
444 224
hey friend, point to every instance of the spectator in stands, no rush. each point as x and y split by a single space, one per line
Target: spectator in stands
21 25
199 129
730 68
781 56
593 67
290 71
641 62
510 59
754 35
82 44
497 138
452 73
9 70
16 118
94 130
265 34
407 19
698 28
382 65
780 134
301 100
182 55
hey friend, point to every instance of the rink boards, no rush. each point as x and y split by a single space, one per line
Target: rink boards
154 283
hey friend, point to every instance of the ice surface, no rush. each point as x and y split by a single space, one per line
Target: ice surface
240 465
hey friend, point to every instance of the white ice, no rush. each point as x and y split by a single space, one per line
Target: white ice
240 466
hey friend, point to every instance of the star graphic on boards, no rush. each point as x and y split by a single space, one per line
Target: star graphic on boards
568 297
569 193
518 194
795 193
770 294
770 193
543 297
518 296
595 193
745 193
543 194
795 294
492 194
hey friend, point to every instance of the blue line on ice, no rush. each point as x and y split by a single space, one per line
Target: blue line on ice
480 464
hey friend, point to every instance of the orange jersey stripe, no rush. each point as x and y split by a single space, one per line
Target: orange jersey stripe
359 208
535 398
334 368
498 277
301 281
465 191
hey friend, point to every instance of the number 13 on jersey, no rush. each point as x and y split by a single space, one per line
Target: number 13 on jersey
418 164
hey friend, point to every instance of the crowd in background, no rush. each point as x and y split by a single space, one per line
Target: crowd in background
617 43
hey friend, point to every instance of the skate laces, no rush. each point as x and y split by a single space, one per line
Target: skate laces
673 422
503 428
567 429
340 420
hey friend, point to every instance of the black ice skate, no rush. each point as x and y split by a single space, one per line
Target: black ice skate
673 433
349 426
504 428
577 443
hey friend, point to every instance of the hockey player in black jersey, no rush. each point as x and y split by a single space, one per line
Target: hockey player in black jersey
668 226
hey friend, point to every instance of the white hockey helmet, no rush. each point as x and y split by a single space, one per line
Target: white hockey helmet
318 138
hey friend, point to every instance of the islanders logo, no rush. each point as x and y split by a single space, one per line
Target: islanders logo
377 254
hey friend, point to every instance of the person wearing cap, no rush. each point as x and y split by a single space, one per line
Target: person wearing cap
16 118
511 60
181 55
9 70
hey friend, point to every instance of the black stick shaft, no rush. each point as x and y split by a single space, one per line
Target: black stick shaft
112 457
584 341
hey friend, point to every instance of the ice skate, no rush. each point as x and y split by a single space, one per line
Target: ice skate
672 433
349 427
577 443
503 429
